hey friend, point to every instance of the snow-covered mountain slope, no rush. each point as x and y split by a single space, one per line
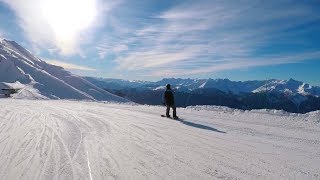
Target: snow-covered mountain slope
235 87
48 139
290 86
37 79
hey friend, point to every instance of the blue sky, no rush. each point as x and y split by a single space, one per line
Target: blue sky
153 39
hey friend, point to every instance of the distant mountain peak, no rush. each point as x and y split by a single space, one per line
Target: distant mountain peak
293 81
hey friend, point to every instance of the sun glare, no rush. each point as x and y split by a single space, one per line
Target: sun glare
69 17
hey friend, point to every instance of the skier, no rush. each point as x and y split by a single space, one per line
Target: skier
168 99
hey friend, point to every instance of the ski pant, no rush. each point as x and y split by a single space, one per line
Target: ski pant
173 108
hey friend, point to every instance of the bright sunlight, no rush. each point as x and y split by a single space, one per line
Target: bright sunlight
68 18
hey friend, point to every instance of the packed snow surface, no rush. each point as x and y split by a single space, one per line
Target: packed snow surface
56 139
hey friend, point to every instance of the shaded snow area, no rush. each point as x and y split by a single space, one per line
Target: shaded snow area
55 139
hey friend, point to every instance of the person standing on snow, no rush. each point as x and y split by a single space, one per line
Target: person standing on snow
168 99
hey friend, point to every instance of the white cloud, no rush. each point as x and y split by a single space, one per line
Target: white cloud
142 60
109 48
120 48
69 65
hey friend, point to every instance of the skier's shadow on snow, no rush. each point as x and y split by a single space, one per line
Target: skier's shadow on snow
200 126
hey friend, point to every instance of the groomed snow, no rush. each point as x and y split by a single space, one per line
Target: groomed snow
55 139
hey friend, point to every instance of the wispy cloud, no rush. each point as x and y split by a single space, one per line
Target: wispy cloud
237 63
156 58
111 45
69 65
208 36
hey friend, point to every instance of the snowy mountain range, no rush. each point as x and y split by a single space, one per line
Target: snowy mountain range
290 95
36 79
290 86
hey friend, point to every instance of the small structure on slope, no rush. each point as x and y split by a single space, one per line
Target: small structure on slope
8 91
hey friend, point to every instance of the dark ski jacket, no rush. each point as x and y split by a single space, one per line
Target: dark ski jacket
168 97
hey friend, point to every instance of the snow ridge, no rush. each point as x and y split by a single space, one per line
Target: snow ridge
44 81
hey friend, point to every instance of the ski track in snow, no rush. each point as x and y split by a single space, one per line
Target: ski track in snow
87 140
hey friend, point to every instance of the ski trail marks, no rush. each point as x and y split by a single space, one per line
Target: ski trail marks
87 140
89 166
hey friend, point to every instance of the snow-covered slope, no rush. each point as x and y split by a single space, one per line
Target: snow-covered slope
235 87
39 80
88 140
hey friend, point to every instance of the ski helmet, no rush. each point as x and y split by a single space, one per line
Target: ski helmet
168 86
